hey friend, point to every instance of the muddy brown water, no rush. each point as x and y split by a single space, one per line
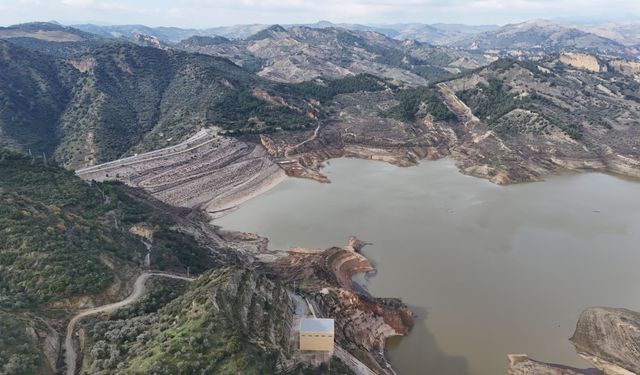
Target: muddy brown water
488 270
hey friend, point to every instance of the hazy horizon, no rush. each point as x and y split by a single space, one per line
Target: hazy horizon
218 13
371 24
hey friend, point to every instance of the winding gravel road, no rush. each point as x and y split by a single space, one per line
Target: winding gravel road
71 356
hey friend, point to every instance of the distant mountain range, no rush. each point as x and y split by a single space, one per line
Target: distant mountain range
509 104
73 93
434 34
627 34
541 35
535 35
302 53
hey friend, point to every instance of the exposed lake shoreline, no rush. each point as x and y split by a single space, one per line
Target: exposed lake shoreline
239 171
301 231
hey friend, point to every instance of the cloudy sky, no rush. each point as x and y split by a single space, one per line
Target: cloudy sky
208 13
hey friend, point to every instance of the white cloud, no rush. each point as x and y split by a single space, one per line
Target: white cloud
207 13
80 3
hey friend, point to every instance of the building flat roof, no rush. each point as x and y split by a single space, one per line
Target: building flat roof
316 325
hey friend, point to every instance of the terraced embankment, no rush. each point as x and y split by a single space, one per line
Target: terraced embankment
207 171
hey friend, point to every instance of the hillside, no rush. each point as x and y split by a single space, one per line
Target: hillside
170 34
18 352
437 34
134 98
539 36
62 236
46 31
303 53
228 322
626 33
34 92
68 244
73 245
511 121
51 38
548 115
580 99
121 98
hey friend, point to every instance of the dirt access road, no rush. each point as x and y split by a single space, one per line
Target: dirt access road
139 288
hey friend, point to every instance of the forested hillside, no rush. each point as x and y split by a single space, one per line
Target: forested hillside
230 321
122 98
65 238
34 92
61 236
18 352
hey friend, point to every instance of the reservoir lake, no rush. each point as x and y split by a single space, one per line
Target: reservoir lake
488 270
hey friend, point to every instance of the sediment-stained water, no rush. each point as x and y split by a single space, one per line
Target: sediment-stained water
488 270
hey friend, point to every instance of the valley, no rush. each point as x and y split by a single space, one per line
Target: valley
493 168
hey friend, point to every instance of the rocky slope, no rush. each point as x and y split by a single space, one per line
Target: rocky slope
540 36
583 61
357 129
363 322
539 118
228 321
509 122
608 338
521 364
302 53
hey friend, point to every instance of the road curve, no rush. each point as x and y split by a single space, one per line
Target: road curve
138 289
